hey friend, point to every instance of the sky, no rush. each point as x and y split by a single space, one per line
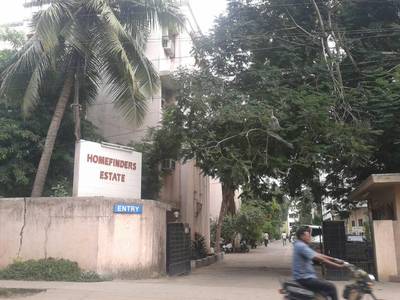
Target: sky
13 11
205 11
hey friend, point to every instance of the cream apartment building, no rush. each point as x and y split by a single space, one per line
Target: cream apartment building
185 189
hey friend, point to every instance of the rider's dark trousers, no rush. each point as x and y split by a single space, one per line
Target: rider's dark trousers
323 287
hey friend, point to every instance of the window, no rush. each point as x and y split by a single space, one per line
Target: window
360 222
165 41
167 94
353 223
168 42
316 232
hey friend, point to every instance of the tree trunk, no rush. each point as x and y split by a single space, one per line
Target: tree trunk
317 192
228 193
44 163
77 109
231 205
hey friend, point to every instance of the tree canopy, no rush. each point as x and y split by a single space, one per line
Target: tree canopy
21 139
80 45
306 94
328 70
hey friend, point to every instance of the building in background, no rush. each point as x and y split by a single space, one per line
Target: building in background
168 51
185 188
357 220
292 218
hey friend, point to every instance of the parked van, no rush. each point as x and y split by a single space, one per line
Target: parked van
316 238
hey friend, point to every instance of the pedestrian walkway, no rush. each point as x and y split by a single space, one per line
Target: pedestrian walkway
260 268
253 275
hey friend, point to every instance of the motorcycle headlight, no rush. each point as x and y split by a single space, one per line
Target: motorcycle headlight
371 277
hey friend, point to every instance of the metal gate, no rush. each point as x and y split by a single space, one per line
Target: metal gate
178 249
334 241
334 238
362 254
336 245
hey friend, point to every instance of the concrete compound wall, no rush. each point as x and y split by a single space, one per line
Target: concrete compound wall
87 231
385 249
396 237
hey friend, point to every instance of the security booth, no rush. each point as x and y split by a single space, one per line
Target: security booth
382 191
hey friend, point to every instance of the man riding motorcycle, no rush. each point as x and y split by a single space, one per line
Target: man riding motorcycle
303 269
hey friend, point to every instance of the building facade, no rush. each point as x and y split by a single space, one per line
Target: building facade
216 198
185 188
292 219
357 220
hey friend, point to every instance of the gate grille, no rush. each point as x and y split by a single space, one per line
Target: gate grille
334 239
178 249
336 245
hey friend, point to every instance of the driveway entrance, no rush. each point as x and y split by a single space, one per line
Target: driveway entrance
250 276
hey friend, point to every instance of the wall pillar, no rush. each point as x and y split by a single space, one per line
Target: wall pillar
385 249
396 191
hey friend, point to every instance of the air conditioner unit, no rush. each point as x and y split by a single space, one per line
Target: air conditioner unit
168 165
166 41
168 46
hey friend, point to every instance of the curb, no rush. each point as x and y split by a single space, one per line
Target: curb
209 260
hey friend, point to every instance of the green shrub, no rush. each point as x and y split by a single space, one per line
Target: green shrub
213 232
49 269
60 189
229 228
199 248
249 222
15 292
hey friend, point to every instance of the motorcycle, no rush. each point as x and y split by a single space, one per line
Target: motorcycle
227 248
243 247
362 286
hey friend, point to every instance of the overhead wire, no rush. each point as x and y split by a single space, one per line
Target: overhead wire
240 52
300 33
278 69
244 51
309 3
247 37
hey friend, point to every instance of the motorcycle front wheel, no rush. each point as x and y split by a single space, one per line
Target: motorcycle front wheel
357 295
319 297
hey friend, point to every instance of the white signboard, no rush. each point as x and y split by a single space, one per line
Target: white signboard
107 170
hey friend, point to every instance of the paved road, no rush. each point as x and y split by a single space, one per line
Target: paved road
240 276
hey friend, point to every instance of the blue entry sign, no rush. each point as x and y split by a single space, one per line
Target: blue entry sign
133 209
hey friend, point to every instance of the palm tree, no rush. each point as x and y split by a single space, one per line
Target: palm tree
90 43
